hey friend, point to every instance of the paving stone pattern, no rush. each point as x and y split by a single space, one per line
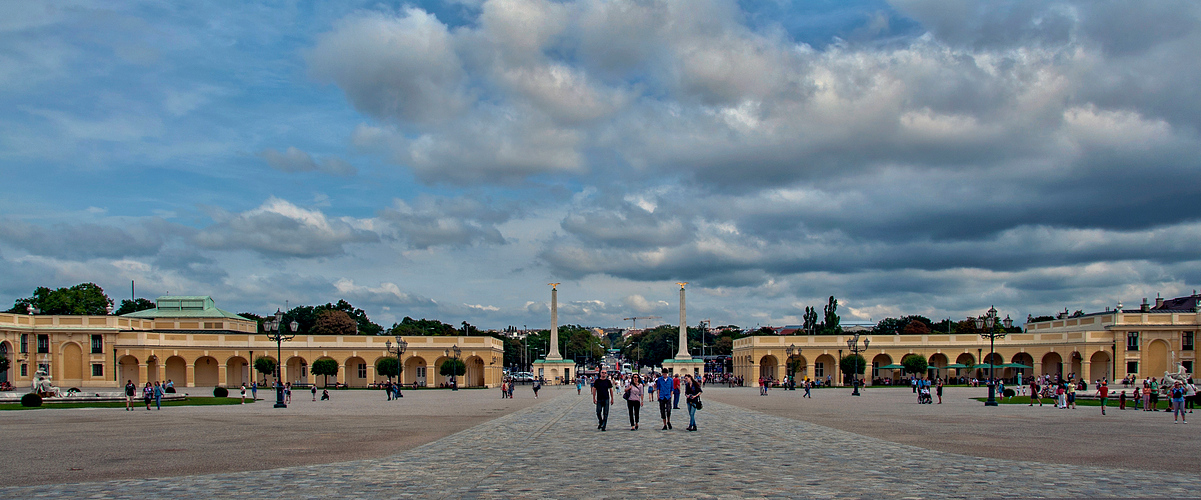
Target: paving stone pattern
553 450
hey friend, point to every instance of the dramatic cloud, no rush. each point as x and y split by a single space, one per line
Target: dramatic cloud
84 241
280 229
438 221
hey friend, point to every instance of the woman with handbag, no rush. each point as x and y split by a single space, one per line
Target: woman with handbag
633 396
692 392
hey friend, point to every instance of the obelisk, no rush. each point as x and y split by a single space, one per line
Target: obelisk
554 323
683 352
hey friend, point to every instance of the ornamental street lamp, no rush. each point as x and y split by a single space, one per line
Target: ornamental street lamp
275 331
791 370
853 345
988 324
399 349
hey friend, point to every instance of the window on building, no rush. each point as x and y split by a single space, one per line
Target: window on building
819 370
1131 341
1188 366
1186 341
43 344
24 370
24 343
362 370
97 344
1132 367
97 369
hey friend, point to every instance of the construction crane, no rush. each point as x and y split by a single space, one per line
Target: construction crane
636 318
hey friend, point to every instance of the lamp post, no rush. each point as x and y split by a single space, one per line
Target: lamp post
988 323
275 331
791 372
399 349
853 345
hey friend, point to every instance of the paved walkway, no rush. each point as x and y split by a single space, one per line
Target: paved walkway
553 450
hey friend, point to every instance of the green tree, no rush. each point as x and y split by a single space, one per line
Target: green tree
810 320
454 367
915 328
888 326
422 327
830 326
387 367
128 306
914 363
264 365
325 367
333 322
81 299
853 363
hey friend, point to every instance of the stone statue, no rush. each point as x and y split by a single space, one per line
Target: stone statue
43 383
1181 376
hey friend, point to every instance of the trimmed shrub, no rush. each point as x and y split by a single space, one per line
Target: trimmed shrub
31 400
220 392
1008 393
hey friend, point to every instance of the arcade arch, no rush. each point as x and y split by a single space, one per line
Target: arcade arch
475 372
128 370
1099 366
237 371
1052 364
206 372
177 371
768 367
1155 361
416 370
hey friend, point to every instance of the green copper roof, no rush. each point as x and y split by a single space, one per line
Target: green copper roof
184 306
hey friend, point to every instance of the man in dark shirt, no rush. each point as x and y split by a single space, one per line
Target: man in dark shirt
602 394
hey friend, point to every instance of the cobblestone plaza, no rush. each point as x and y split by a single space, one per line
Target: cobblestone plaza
552 450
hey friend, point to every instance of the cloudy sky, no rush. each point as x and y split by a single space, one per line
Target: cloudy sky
449 159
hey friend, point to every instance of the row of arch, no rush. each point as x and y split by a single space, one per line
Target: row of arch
1052 363
355 371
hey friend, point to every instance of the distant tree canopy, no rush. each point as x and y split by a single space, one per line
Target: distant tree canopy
914 363
426 327
387 367
128 306
333 322
306 319
81 299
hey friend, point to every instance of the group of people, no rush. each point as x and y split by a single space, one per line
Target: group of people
636 388
149 393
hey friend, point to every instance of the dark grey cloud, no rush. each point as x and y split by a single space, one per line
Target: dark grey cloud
89 240
431 221
278 228
294 160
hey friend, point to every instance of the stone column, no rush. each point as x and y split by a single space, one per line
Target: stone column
143 374
553 351
682 353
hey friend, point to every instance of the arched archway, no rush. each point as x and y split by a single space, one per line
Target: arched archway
177 371
1156 359
965 359
381 378
799 367
824 368
1052 364
206 372
266 379
937 364
127 368
1075 365
296 371
475 372
72 372
1023 358
1099 366
882 360
767 367
7 375
357 372
444 380
416 370
237 371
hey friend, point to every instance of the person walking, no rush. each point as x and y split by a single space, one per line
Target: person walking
1103 395
579 385
254 390
147 395
1071 395
633 396
243 393
602 394
692 394
663 391
938 390
1154 395
537 386
1176 393
130 389
808 386
158 396
675 391
313 390
288 393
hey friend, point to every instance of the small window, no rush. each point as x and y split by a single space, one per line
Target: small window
362 370
97 369
43 344
819 370
1186 341
97 344
24 343
24 370
1132 367
1132 341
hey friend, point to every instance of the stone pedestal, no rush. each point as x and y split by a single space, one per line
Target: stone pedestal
694 367
555 371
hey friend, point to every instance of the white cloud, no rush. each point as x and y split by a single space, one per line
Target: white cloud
279 228
295 160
